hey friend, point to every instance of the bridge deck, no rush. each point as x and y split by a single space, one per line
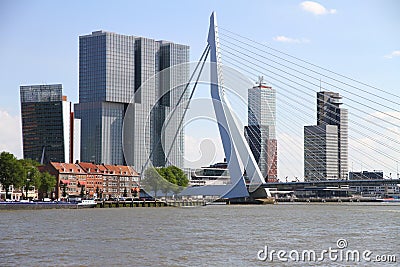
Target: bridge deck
333 183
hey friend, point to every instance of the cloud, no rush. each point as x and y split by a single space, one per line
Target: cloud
10 135
316 8
284 39
395 53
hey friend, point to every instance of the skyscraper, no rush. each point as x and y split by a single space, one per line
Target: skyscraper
50 131
329 112
106 85
320 152
114 68
326 144
261 133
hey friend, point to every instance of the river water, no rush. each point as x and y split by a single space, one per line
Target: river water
202 236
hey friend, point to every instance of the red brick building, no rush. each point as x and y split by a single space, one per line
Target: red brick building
120 181
93 181
71 178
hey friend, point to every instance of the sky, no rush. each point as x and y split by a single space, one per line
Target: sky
39 40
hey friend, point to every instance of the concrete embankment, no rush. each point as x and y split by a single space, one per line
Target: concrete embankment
35 205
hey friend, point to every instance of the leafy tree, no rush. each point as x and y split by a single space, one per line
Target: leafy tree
11 171
174 179
47 182
166 187
167 174
180 176
31 174
152 180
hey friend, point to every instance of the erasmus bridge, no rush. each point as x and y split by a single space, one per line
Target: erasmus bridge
374 116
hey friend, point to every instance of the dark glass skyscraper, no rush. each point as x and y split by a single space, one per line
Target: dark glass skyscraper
48 124
329 112
114 68
326 144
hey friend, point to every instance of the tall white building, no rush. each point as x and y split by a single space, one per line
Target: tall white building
261 130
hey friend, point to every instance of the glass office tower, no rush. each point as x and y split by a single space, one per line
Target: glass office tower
50 131
329 112
326 144
114 68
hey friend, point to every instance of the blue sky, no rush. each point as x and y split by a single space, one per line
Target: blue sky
39 39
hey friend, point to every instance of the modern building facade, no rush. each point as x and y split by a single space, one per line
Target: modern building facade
326 144
106 85
329 112
215 174
366 175
50 131
115 84
388 190
260 132
320 152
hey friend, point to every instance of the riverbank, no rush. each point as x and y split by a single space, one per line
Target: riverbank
99 204
36 205
170 203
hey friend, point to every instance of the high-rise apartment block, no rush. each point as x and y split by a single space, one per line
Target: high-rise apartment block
115 83
260 132
329 112
321 152
326 144
50 131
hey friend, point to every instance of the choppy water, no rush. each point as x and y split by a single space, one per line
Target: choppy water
206 236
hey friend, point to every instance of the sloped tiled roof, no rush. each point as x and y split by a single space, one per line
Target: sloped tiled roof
87 167
90 167
67 168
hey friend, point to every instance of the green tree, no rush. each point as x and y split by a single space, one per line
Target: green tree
11 171
152 181
166 187
47 183
173 179
167 174
31 175
180 176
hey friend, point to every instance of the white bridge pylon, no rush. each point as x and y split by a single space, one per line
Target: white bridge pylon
237 151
